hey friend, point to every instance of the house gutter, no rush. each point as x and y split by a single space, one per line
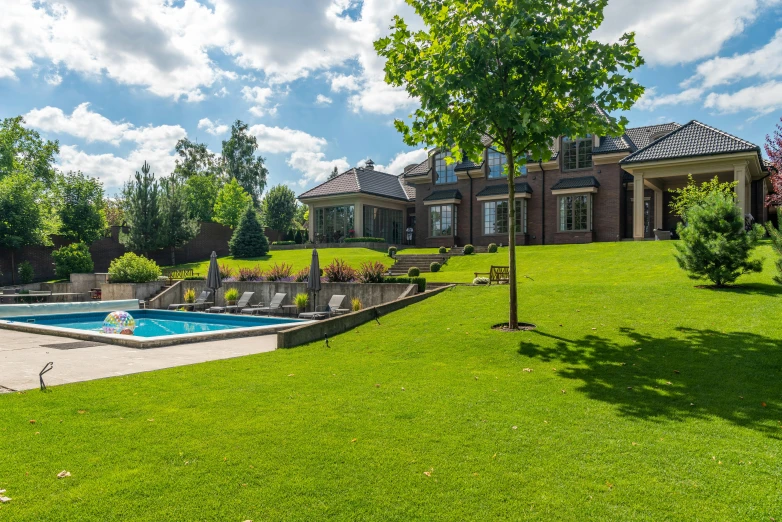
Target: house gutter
543 203
471 220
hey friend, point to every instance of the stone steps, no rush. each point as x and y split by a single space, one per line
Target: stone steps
420 261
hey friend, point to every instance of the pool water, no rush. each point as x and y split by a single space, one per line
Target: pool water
157 323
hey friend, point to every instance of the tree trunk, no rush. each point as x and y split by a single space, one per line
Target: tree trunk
173 256
13 268
513 316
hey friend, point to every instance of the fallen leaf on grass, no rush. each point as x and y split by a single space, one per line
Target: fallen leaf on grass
354 440
4 499
676 371
429 473
668 382
528 370
63 474
763 404
515 427
291 374
82 412
32 421
151 420
563 391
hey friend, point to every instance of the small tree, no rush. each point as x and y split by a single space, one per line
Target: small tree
142 213
520 73
240 162
248 239
714 244
694 194
177 226
231 202
21 220
81 208
776 244
279 208
774 153
201 194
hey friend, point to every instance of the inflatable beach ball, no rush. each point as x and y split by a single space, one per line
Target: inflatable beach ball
119 323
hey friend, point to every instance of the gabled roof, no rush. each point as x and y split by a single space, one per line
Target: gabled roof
443 195
574 183
691 140
641 137
610 144
467 165
422 169
502 189
363 181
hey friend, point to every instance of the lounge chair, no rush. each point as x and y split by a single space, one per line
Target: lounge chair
241 304
199 303
274 306
324 312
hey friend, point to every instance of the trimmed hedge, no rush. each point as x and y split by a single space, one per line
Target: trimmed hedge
391 251
365 240
468 249
413 271
492 248
283 243
442 250
420 281
435 267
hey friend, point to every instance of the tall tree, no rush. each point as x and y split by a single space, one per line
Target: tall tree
21 221
241 163
142 213
195 159
114 210
81 207
231 203
279 208
774 153
334 173
23 150
521 73
177 226
201 194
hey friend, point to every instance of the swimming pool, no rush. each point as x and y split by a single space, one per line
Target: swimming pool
153 327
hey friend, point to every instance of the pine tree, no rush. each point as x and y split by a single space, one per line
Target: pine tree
177 226
334 173
142 214
248 239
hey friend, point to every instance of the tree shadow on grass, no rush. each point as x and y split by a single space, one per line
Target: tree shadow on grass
747 289
736 376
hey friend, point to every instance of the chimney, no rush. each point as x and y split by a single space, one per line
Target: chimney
369 165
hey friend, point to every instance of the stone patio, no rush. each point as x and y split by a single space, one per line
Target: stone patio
23 355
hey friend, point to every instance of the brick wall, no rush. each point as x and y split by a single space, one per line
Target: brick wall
212 237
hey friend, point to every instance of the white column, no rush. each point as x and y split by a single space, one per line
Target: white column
638 206
312 223
658 209
740 177
358 219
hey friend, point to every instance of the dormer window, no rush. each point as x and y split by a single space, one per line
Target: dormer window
577 153
443 171
496 162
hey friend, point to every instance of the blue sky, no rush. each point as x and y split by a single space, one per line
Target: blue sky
119 82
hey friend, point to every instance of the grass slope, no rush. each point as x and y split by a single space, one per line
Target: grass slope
647 399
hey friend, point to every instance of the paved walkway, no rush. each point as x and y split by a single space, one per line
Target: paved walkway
23 355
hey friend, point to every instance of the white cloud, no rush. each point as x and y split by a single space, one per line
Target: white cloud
672 32
222 93
213 128
82 123
762 63
761 99
259 96
651 100
320 99
315 167
53 78
402 160
342 82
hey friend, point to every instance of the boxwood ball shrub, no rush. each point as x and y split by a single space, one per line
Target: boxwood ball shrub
131 268
468 249
435 267
365 240
480 281
391 251
442 250
413 272
492 248
72 259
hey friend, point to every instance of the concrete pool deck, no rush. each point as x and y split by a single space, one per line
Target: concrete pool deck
23 355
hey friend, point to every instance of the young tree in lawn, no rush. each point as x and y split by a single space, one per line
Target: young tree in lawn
177 226
714 244
248 239
201 194
521 73
142 212
694 194
81 207
774 153
23 150
241 163
279 208
231 202
21 221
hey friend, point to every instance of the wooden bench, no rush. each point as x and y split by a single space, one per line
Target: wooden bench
497 274
179 275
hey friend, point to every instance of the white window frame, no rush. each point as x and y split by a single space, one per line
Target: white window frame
441 163
562 219
579 142
439 208
521 216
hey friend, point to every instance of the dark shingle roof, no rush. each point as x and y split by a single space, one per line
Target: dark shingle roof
610 144
422 169
690 140
442 195
467 165
502 189
573 183
641 137
364 181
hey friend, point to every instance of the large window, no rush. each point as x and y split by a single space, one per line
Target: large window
576 153
575 213
333 224
443 172
442 220
495 217
383 222
496 162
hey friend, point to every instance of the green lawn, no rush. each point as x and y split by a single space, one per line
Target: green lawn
298 258
639 397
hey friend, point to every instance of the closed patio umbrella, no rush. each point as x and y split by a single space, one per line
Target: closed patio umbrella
313 280
213 281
